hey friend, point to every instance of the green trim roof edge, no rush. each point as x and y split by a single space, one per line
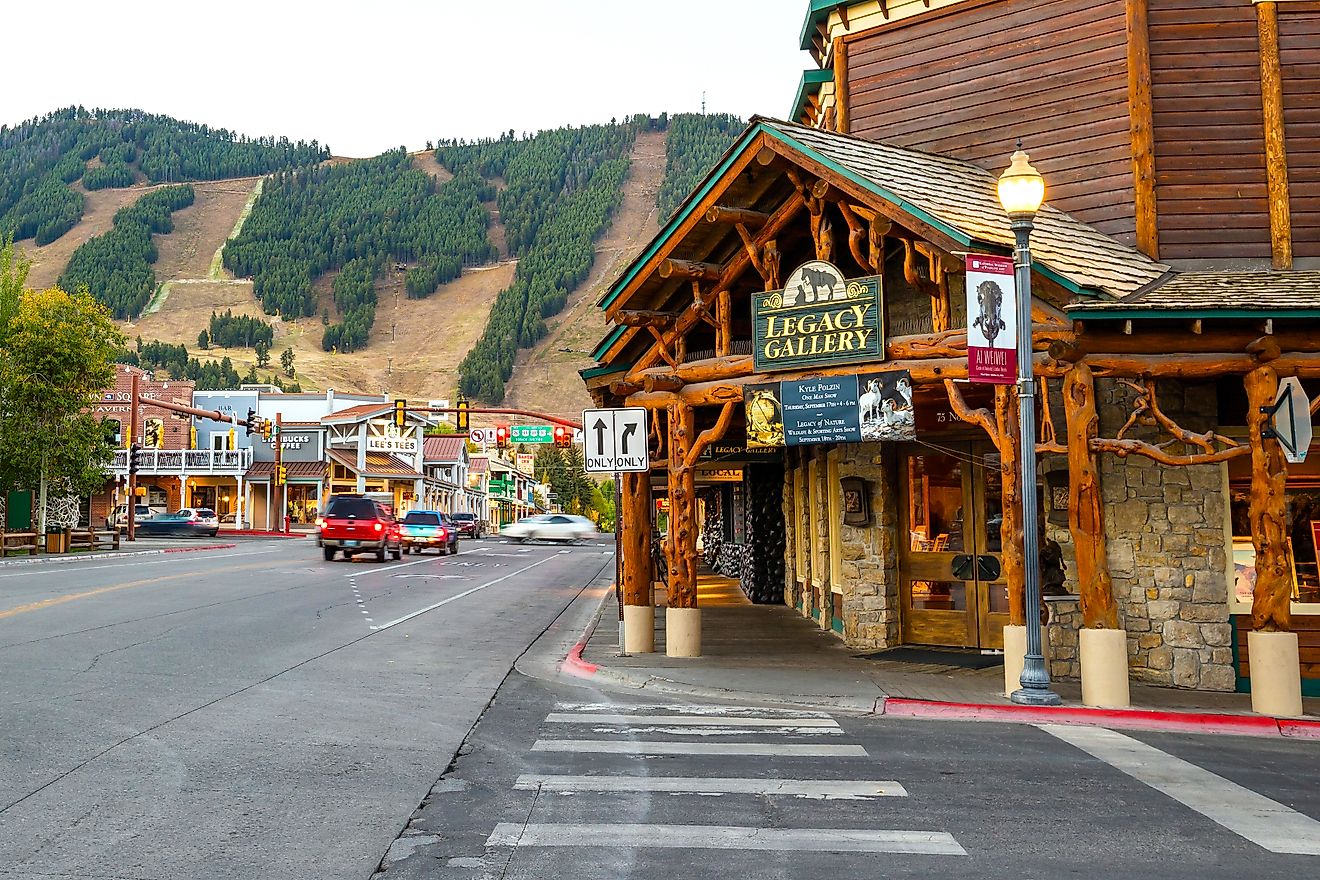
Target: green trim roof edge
602 369
818 11
600 349
812 80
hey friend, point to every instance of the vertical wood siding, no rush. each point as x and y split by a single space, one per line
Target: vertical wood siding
969 80
1209 130
1299 56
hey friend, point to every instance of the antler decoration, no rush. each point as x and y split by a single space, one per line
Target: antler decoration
1146 411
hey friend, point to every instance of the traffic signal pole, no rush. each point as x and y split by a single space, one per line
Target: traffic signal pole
275 477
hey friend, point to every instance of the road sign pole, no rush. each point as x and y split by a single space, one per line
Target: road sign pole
618 556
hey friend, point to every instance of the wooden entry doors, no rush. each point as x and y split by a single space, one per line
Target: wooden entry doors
949 547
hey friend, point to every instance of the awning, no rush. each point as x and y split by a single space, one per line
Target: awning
297 471
379 464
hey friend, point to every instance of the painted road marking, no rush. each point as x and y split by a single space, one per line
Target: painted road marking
844 789
438 577
1266 823
131 563
727 837
686 709
643 747
688 720
458 596
366 571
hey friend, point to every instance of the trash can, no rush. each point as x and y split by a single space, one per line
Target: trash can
57 542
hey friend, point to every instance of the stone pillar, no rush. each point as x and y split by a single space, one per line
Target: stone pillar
870 552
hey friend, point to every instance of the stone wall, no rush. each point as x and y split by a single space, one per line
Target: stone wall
870 553
1061 638
1167 547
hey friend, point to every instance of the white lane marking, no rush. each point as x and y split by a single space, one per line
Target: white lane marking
687 720
727 837
841 789
715 732
1266 823
458 596
436 577
128 563
693 709
366 571
643 747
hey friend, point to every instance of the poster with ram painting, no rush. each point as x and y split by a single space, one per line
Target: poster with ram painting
884 406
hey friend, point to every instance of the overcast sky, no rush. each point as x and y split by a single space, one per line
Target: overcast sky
370 75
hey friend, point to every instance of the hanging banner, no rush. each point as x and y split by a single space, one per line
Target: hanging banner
818 319
991 320
837 409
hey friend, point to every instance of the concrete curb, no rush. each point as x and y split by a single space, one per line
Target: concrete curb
114 554
258 533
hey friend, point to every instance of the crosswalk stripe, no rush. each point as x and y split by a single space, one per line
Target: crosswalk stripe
1264 822
842 789
687 720
642 747
727 837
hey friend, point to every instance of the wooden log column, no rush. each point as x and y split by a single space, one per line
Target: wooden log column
635 537
1272 650
682 618
1010 529
1276 151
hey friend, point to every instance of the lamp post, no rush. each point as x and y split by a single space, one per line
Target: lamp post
1021 191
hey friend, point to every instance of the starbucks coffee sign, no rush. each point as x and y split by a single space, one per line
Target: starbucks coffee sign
818 319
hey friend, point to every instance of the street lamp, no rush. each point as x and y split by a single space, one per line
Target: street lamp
1021 191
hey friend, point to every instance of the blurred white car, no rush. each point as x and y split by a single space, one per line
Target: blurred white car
119 519
550 527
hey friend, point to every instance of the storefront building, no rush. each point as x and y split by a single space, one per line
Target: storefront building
447 464
811 297
368 454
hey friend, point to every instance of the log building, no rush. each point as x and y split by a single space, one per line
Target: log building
1175 288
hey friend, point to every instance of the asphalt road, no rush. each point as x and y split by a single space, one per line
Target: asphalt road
561 781
252 712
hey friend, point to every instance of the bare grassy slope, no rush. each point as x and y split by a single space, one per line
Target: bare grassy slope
545 377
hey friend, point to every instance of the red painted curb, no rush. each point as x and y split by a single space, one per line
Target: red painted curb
195 549
573 660
1133 719
256 533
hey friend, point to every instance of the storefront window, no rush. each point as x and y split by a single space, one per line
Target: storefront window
1302 514
935 493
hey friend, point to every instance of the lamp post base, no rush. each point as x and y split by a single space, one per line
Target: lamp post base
1029 697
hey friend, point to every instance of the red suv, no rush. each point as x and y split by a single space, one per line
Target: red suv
357 524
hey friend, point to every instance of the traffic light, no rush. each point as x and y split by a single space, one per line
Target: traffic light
252 423
267 429
133 459
282 476
400 413
461 417
501 436
563 439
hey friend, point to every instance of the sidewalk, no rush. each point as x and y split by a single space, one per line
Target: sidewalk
140 547
771 654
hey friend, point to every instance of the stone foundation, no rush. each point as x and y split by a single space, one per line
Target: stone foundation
870 554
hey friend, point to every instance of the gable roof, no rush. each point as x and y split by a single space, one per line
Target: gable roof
1215 294
444 448
954 199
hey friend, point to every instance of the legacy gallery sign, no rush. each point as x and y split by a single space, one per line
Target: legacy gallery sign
818 319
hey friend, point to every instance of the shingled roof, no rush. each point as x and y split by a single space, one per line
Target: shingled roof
1223 294
961 199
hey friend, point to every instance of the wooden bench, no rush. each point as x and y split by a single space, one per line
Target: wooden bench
17 542
93 539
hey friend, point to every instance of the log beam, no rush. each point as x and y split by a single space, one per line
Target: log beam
1276 150
1141 127
1270 608
1085 503
645 318
682 549
653 382
725 214
691 269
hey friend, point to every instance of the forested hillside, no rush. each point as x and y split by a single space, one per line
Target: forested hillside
359 218
116 267
41 157
561 187
695 144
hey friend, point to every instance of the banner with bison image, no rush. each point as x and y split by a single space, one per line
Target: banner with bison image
991 320
818 319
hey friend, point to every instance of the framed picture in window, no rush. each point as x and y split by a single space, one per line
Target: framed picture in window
856 501
1244 570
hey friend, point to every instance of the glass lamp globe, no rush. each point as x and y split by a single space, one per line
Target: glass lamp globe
1021 188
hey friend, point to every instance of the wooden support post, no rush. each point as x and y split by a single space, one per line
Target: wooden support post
682 508
1085 504
841 119
723 325
1010 529
1276 151
1141 128
634 523
1270 611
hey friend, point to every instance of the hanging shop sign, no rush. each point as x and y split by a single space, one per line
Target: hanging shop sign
991 320
837 409
739 452
818 319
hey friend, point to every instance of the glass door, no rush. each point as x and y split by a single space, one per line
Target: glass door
949 562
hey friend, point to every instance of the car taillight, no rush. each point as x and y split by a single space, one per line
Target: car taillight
320 523
378 527
444 534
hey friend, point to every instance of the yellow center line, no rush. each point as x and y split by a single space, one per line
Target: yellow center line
60 600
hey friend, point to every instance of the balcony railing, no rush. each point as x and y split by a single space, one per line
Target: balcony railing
185 461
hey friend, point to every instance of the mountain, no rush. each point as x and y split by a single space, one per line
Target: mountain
473 264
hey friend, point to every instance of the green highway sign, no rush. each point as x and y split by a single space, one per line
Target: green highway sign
531 434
